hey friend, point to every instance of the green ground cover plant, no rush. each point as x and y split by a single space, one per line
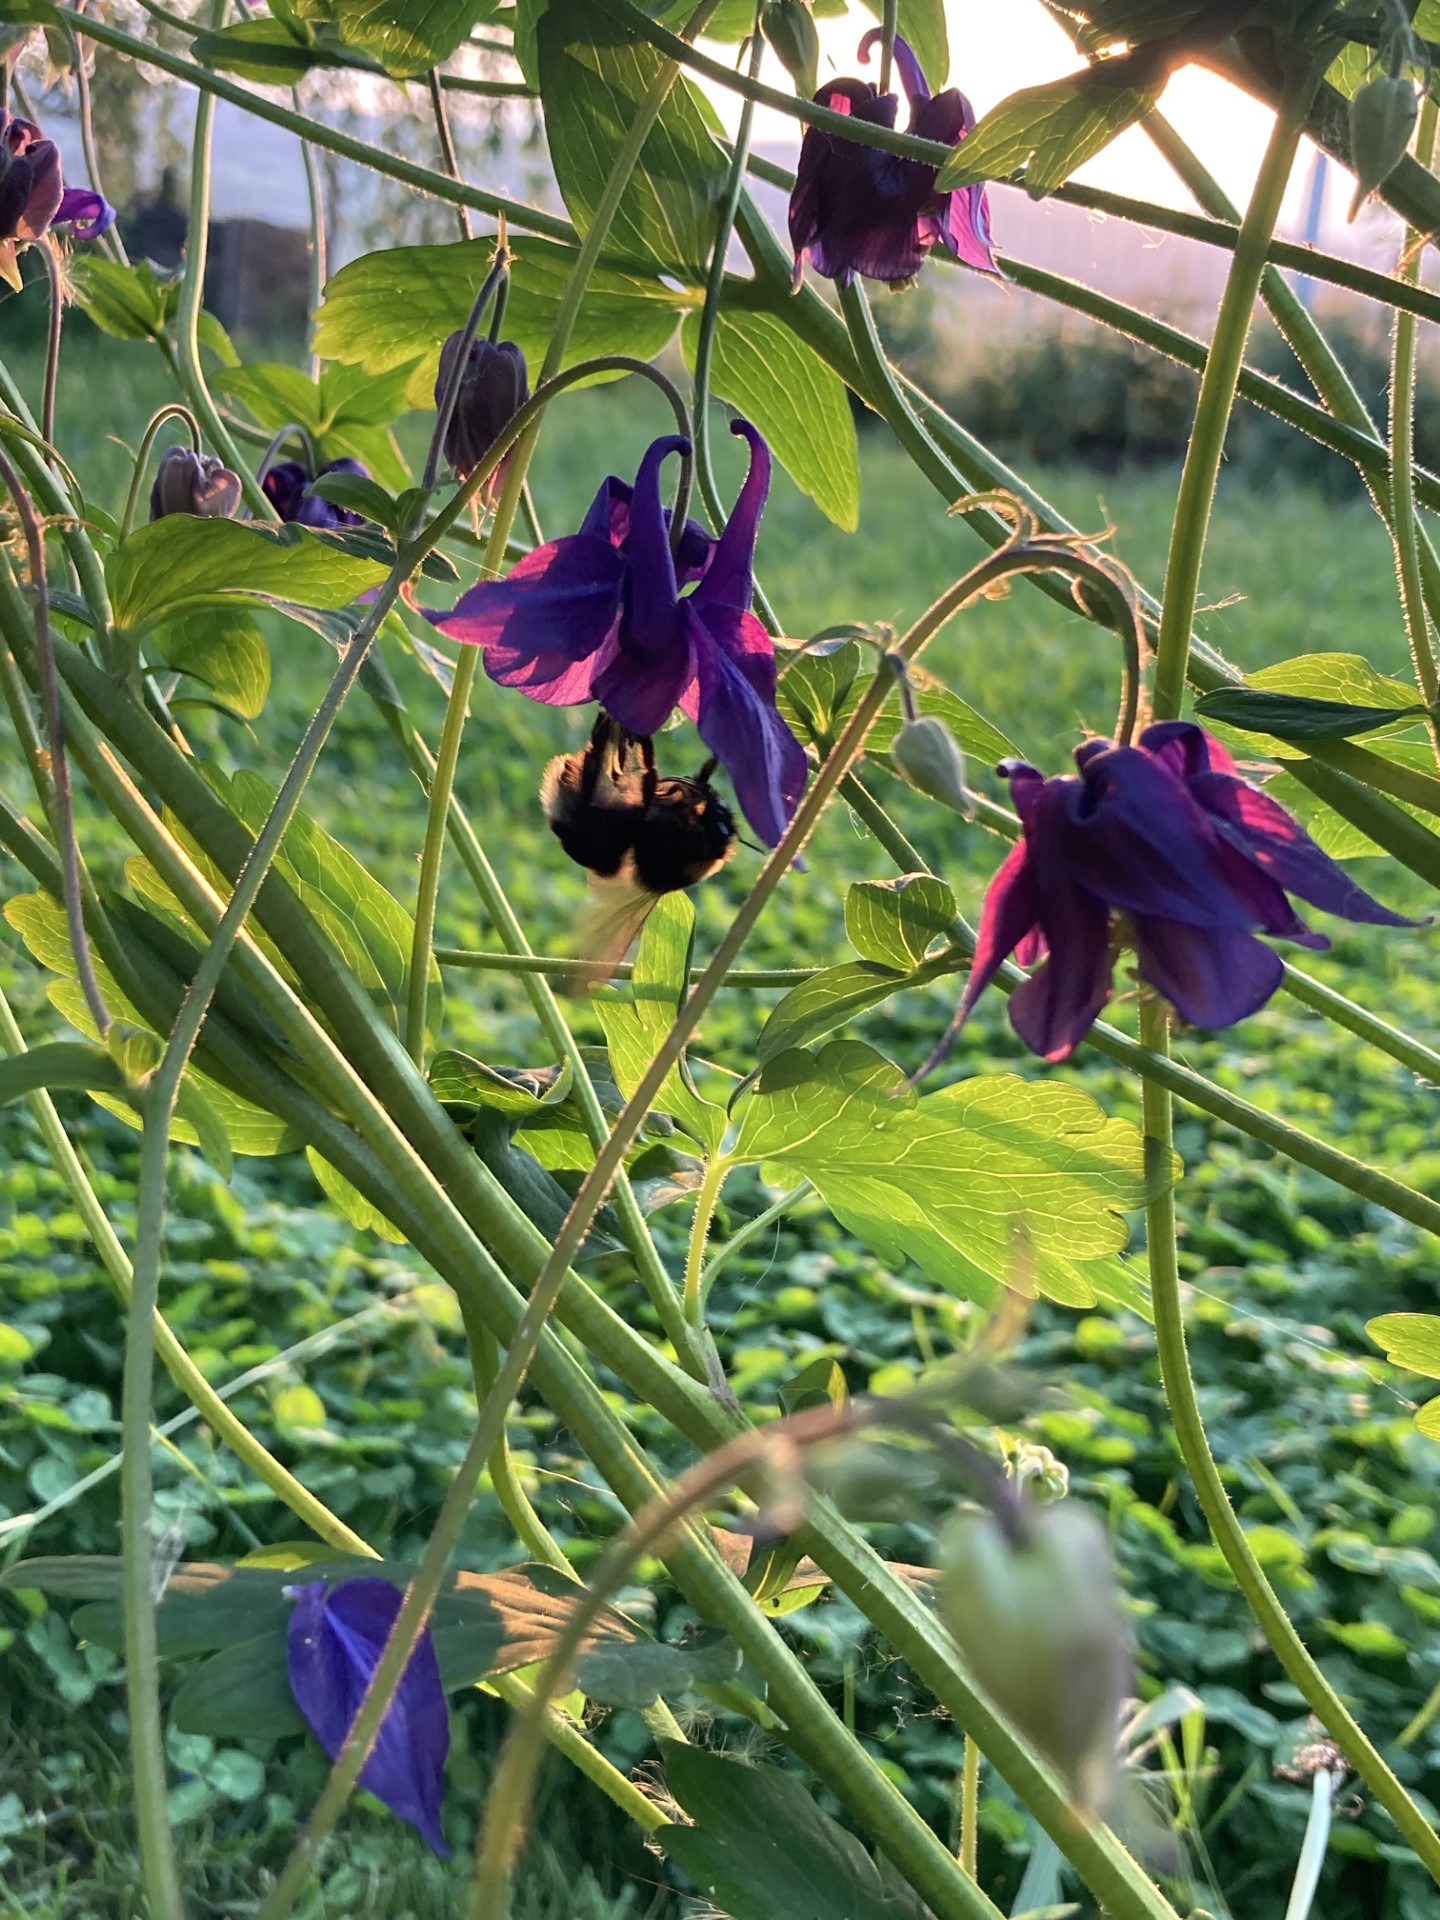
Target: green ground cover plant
809 1737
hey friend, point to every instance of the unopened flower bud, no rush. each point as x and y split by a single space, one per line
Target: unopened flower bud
1382 118
1038 1620
789 26
494 385
187 482
928 756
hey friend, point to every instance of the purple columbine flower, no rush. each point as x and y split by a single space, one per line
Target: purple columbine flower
598 615
857 209
1196 858
494 385
188 482
33 197
287 488
334 1642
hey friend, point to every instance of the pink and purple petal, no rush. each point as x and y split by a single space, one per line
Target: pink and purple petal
1009 921
766 763
1213 977
560 603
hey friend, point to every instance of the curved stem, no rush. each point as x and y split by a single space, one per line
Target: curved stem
192 292
751 1230
530 1529
490 287
1179 1384
1217 396
706 1200
1402 458
447 147
173 410
112 242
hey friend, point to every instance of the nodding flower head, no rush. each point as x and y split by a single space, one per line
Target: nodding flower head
599 615
1164 847
287 488
334 1641
494 385
34 197
187 482
861 210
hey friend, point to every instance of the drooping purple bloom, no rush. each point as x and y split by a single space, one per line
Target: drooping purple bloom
598 615
494 385
188 482
335 1638
857 209
287 488
1197 859
33 197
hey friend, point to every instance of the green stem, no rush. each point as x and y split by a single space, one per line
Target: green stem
1217 396
315 196
970 1809
751 1230
442 787
706 1200
1193 1442
530 1529
567 1739
1402 458
889 21
192 289
561 967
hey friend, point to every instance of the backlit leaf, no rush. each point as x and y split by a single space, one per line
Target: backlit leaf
594 75
1049 131
798 403
894 922
223 652
1410 1340
407 37
990 1182
183 564
826 1001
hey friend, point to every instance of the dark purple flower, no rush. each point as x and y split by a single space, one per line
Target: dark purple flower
598 615
493 387
33 197
187 482
1199 861
287 488
857 209
334 1642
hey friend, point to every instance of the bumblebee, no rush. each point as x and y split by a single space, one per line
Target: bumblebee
639 833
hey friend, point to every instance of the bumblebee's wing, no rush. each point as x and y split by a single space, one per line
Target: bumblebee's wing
610 923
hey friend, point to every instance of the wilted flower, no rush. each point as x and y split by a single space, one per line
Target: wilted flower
857 209
287 488
33 197
1197 859
187 482
597 615
334 1642
493 387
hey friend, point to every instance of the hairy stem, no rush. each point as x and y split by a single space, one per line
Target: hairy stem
1402 458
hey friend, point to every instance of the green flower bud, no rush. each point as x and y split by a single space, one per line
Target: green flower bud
1038 1620
927 756
1382 118
790 28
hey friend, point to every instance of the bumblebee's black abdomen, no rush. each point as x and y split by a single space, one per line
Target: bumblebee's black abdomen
686 833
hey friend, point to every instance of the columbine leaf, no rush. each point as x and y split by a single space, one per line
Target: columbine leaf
815 685
182 564
797 402
394 308
407 37
594 74
1410 1340
128 303
761 1848
1291 716
345 412
1049 131
351 1202
988 1183
893 922
222 651
637 1673
637 1018
263 50
819 1005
